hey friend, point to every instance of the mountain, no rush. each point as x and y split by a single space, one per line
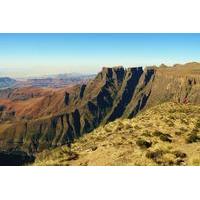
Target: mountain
55 81
51 81
58 118
74 76
6 82
167 134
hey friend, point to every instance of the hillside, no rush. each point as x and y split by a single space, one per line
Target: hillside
32 103
6 82
167 134
54 81
32 120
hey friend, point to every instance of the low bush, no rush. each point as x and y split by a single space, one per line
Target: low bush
165 138
137 127
178 133
143 143
154 155
147 134
128 126
193 137
180 154
157 133
198 124
107 129
182 129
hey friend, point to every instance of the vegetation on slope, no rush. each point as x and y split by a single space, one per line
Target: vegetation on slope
168 134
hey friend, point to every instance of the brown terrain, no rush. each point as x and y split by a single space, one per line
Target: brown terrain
31 103
34 119
167 134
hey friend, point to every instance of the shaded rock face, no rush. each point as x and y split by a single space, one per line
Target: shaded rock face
15 158
2 108
115 92
66 98
6 82
133 77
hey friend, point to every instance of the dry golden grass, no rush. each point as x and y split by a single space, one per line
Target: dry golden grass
168 134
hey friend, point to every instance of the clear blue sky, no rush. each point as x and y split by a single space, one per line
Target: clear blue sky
40 54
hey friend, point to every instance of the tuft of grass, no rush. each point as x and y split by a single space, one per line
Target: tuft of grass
195 162
107 129
119 127
178 133
142 143
195 130
182 129
128 126
167 160
154 155
197 124
184 121
157 133
180 154
137 127
193 137
147 134
165 138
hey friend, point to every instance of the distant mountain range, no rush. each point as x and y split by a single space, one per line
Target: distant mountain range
54 81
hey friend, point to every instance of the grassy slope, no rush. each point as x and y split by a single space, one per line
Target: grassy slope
168 134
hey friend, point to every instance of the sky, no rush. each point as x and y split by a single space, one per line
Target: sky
28 54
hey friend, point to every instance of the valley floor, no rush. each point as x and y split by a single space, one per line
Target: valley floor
168 134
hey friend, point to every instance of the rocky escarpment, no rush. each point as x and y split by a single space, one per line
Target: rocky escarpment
114 93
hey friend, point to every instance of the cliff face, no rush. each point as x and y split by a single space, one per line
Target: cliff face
114 93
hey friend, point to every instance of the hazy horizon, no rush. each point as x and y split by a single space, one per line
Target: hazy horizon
25 55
